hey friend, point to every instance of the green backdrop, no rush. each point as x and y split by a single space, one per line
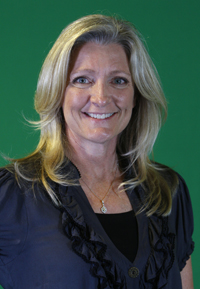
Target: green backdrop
171 29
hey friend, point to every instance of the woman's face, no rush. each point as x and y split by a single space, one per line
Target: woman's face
99 96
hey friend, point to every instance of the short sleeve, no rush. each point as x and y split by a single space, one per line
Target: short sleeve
182 215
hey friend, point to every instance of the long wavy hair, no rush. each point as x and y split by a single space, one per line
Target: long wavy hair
134 143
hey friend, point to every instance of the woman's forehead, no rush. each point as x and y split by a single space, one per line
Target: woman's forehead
92 55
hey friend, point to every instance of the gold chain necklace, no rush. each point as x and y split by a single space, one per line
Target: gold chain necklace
103 208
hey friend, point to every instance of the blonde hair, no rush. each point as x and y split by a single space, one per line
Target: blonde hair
134 143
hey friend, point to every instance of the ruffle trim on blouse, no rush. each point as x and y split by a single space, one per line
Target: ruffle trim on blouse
90 246
162 256
92 249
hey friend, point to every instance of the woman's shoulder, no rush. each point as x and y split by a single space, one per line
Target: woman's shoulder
182 193
177 182
8 182
11 194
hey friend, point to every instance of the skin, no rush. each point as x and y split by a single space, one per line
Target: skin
100 83
186 276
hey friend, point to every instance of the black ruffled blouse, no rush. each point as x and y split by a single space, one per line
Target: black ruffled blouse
45 247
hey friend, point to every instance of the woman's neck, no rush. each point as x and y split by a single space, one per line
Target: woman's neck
94 161
95 166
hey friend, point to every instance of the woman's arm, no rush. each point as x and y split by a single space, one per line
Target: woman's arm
186 276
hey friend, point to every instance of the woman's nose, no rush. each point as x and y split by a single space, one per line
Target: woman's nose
100 94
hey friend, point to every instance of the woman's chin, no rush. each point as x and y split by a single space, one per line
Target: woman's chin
100 136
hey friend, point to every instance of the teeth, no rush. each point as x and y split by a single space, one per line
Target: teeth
100 116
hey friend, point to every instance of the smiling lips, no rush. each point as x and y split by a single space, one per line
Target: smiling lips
99 116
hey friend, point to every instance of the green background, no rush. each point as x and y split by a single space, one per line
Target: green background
171 29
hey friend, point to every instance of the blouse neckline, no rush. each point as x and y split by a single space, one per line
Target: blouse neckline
115 214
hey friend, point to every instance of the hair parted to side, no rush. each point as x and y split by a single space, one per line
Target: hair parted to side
134 143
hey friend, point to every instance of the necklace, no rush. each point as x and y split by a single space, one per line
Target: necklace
103 208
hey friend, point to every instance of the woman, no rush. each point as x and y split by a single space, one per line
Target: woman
88 209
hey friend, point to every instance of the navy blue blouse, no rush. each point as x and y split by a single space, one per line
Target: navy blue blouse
45 247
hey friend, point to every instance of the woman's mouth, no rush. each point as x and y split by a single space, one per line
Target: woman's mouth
99 115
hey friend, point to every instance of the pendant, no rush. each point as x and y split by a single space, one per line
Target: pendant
103 208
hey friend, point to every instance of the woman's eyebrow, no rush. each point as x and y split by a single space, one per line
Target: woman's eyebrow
83 71
93 71
120 71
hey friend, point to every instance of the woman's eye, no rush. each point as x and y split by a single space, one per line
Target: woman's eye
81 82
120 81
